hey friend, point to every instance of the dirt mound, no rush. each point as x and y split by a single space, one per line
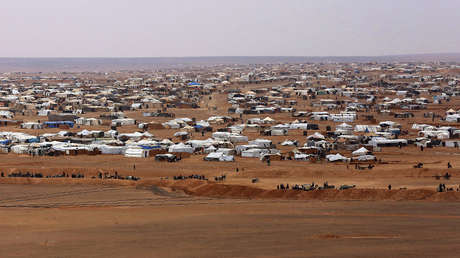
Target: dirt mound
211 189
220 190
448 196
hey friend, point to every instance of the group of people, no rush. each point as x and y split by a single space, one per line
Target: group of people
40 175
23 174
442 188
100 175
305 187
370 166
193 176
220 178
107 175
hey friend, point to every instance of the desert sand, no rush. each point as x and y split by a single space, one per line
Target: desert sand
122 221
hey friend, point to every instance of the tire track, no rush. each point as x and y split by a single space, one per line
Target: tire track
126 203
55 195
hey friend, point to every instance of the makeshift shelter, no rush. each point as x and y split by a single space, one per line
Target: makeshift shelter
218 156
336 157
136 153
365 158
31 125
316 137
254 153
180 147
344 126
263 143
166 157
58 124
360 151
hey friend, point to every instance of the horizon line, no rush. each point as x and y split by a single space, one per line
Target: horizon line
227 56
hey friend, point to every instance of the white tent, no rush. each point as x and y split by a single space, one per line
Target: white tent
180 147
88 121
201 143
6 113
344 126
123 121
226 151
84 133
44 112
378 141
253 153
360 151
419 126
238 138
301 156
135 135
136 153
264 143
210 149
367 128
171 124
221 135
281 126
278 132
147 142
268 120
455 118
218 156
166 142
203 123
179 134
110 133
316 136
240 148
31 125
365 157
301 126
19 149
108 149
336 157
288 143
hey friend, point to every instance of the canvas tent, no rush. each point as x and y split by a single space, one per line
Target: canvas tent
360 151
180 147
218 156
136 153
336 157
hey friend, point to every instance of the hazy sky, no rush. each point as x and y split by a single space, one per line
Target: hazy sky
151 28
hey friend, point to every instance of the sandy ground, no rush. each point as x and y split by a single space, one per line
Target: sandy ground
157 223
398 171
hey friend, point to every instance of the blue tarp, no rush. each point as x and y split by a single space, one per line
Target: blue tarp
395 131
145 147
55 124
5 142
33 140
193 84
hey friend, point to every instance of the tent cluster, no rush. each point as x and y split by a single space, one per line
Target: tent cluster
97 116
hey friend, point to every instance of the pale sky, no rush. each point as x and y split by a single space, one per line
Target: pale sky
177 28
